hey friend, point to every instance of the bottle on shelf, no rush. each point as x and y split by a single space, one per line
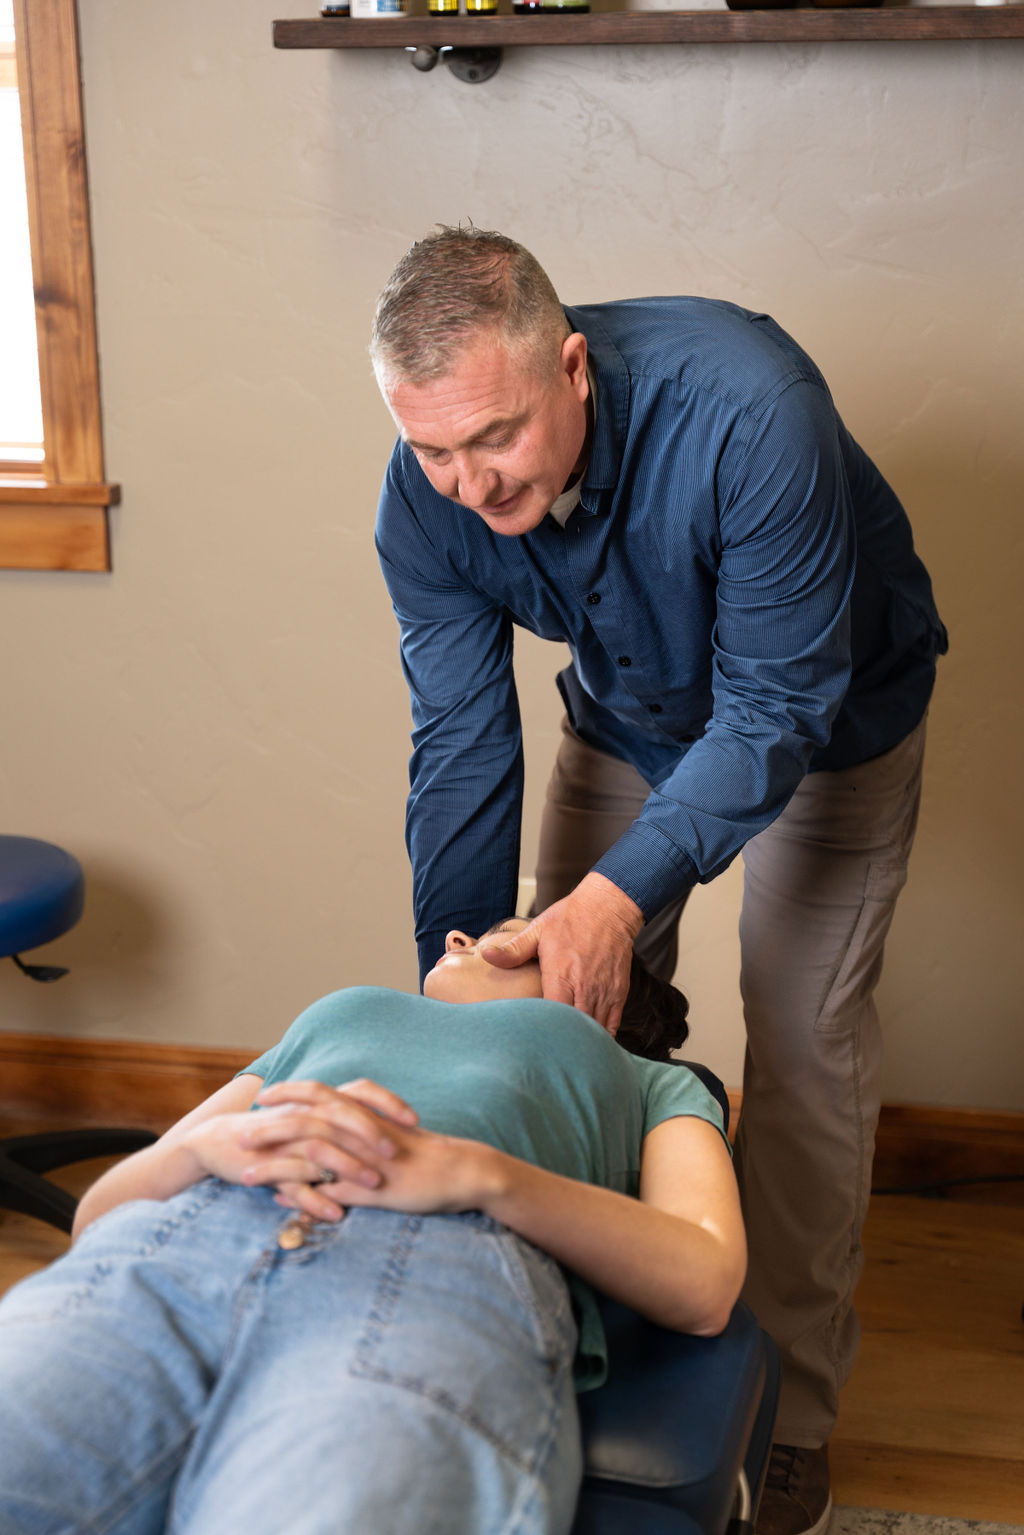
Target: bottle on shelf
481 7
444 7
551 7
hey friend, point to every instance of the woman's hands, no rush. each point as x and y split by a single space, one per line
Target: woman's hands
676 1253
362 1136
304 1132
423 1174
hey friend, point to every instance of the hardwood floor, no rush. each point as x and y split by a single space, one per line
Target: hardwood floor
931 1422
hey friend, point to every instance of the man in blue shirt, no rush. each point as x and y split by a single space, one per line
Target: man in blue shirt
665 486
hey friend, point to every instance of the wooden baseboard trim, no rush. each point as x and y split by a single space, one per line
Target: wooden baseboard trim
55 1082
60 1082
918 1146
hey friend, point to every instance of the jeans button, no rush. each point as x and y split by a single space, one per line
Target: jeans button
293 1234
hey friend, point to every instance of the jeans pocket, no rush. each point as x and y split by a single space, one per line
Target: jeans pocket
544 1294
474 1328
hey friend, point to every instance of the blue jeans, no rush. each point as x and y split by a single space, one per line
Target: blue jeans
180 1370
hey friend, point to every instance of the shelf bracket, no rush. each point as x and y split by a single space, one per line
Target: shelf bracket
473 65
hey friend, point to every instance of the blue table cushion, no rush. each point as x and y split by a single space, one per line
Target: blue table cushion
609 1514
673 1420
42 893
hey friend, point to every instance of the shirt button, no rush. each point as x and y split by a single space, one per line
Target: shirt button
593 598
625 660
654 708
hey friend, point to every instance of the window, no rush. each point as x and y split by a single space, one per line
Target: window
21 405
53 492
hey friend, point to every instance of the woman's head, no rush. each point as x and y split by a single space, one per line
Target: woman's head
653 1018
463 975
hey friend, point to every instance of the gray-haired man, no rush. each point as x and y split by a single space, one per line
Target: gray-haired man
665 485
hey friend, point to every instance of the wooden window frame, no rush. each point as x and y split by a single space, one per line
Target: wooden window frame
55 517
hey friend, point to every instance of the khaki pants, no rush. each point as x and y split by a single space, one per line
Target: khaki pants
820 889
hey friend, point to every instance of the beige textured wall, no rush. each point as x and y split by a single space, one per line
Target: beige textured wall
219 728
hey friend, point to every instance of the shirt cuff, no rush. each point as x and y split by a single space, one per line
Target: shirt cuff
649 868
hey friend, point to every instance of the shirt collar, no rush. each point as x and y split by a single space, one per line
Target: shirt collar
612 412
569 500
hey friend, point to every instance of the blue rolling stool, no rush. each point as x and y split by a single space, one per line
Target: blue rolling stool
42 893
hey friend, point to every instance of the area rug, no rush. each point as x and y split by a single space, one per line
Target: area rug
880 1521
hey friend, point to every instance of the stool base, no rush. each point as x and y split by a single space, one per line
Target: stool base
24 1158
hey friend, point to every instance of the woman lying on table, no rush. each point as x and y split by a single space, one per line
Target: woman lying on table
396 1350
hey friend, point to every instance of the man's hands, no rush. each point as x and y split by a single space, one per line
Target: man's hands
584 944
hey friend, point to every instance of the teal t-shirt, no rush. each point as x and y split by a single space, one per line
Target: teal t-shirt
533 1078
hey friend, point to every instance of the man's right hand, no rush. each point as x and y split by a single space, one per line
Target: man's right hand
585 946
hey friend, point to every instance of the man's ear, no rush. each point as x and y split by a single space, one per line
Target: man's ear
574 363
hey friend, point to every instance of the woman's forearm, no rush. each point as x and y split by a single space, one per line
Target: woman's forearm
168 1166
306 1128
157 1172
677 1253
682 1273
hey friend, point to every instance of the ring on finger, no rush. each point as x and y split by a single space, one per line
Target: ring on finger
328 1175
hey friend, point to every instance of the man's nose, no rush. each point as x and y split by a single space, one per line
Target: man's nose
475 481
456 940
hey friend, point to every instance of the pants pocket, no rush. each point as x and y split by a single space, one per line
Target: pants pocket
465 1321
860 964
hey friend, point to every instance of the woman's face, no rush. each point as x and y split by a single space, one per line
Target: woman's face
463 975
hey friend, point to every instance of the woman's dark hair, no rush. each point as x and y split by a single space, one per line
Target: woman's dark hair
654 1016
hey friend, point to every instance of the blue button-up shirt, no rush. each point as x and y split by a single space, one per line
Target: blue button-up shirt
738 589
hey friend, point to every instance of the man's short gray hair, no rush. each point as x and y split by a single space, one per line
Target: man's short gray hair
454 285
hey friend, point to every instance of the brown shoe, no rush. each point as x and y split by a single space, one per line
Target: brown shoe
796 1498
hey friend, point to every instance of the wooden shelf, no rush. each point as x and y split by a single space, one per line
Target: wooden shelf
829 24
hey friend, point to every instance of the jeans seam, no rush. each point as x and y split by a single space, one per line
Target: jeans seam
520 1518
104 1267
546 1339
470 1420
389 1287
388 1293
141 1487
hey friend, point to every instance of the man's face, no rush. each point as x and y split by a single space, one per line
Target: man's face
497 436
